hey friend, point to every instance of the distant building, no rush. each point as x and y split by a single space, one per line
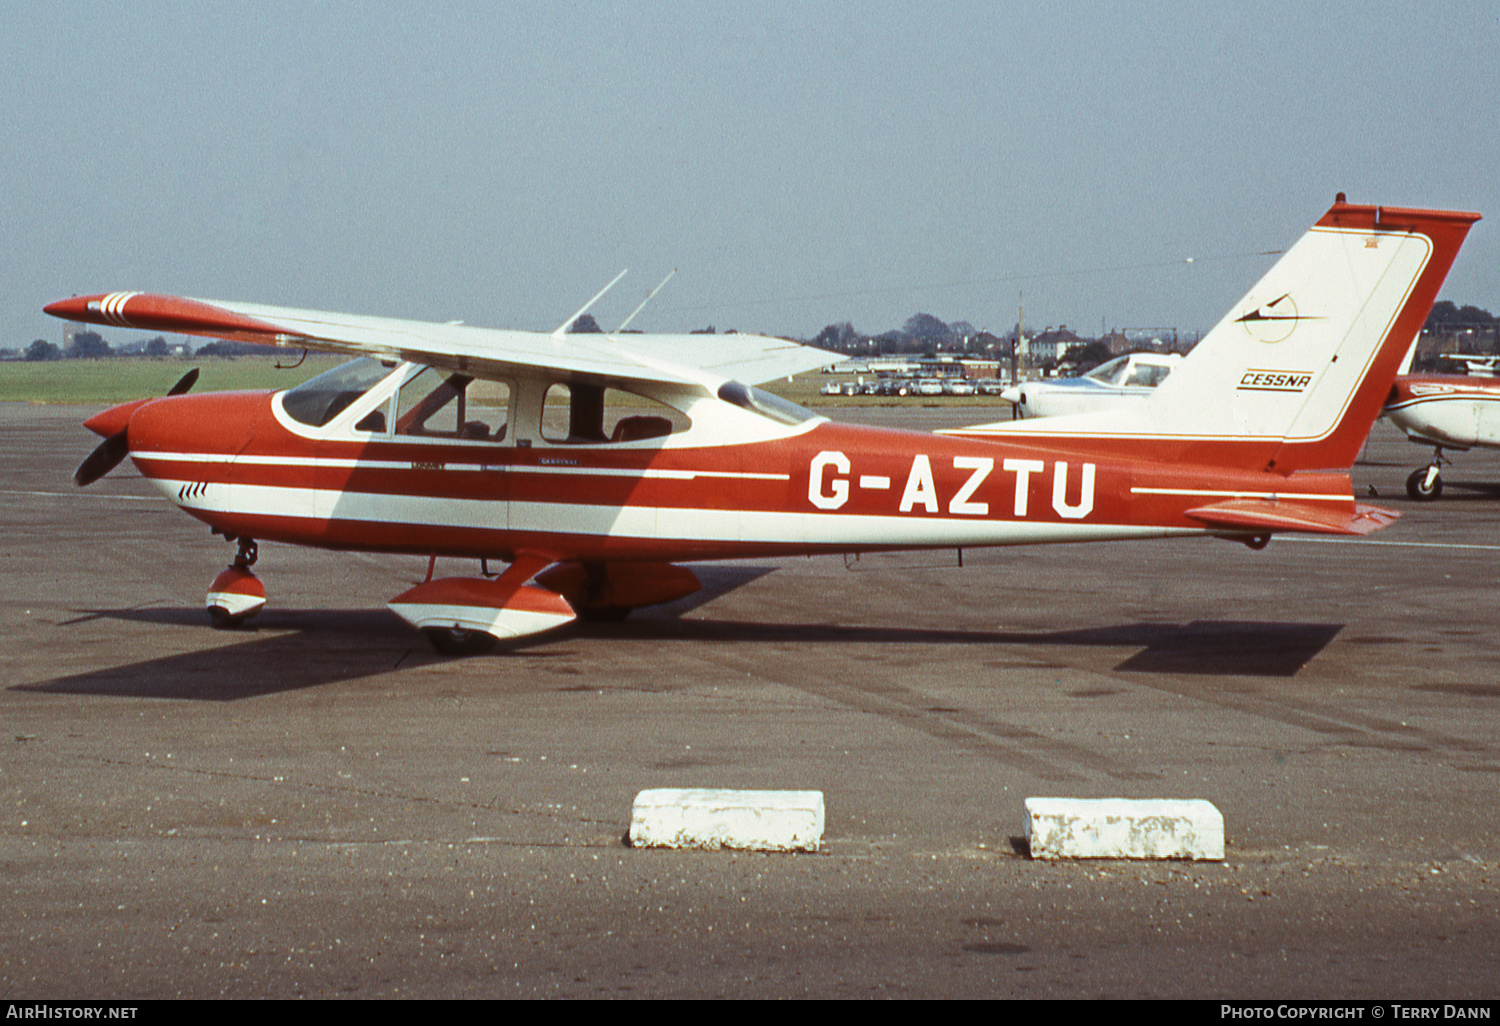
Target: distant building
1053 344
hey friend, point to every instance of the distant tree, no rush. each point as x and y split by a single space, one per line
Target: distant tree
41 349
963 332
585 325
225 348
157 347
1090 356
1446 314
89 345
928 329
703 331
841 337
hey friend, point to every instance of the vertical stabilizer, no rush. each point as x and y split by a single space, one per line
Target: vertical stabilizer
1295 374
1307 357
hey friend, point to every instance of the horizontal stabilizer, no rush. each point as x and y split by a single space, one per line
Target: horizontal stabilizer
1269 515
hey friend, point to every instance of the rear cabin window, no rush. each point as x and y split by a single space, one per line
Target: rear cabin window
1147 375
580 414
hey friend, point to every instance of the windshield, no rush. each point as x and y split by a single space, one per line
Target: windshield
1109 372
318 400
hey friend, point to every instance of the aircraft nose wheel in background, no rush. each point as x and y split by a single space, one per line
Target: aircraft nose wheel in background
1426 483
236 594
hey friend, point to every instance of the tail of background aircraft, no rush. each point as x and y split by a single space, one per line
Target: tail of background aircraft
1295 374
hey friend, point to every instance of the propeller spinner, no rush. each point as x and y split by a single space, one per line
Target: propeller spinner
116 445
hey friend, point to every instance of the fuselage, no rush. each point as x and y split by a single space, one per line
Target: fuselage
725 481
1125 379
1451 410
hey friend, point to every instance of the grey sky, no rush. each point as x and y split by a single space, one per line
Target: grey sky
799 163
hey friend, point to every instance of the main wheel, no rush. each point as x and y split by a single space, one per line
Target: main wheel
455 641
223 620
1419 487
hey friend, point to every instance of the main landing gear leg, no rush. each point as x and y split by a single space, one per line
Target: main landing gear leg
1426 484
236 594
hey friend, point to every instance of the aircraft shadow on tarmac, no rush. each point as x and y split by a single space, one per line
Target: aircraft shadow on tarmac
292 649
1203 647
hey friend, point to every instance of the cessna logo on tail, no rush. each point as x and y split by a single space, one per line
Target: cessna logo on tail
1274 321
1274 381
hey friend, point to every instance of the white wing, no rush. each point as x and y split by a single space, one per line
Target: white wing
703 360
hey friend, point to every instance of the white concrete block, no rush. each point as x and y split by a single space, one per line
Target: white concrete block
717 818
1124 828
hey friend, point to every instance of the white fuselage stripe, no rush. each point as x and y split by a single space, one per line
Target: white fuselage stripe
658 473
647 522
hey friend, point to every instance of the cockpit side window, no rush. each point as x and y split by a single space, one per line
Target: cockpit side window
434 403
1146 375
318 400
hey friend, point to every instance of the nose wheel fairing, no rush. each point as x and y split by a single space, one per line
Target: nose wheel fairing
236 594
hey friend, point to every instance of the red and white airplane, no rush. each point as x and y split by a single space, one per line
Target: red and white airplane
594 464
1445 411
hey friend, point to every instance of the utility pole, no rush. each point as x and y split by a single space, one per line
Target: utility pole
1015 352
1015 346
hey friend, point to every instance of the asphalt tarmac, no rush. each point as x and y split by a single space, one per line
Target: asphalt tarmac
321 806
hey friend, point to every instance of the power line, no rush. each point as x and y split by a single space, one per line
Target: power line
1001 280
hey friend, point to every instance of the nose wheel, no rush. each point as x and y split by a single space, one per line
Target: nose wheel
236 594
1426 484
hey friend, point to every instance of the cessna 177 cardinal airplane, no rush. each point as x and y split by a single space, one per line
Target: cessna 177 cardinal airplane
595 464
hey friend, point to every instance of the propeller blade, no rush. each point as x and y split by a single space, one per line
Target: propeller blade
184 383
116 447
102 460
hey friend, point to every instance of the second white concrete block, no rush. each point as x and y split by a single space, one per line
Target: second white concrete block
1124 828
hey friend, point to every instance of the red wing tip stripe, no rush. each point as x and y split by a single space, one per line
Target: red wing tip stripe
112 308
147 310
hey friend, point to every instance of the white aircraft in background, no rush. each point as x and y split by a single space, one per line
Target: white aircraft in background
1476 366
1445 411
1121 380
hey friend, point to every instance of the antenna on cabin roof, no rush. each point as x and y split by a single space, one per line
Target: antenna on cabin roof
645 301
562 329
